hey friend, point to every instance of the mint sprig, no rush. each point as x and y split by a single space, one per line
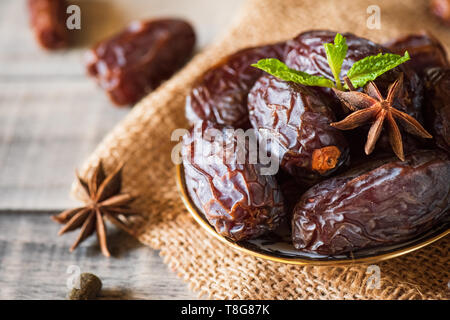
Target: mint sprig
361 72
278 69
335 55
371 67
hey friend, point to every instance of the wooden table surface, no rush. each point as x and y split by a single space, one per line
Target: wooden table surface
51 118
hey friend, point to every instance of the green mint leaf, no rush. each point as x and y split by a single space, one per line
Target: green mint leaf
278 69
335 55
371 67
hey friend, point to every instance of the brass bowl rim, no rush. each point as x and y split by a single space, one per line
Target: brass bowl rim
294 261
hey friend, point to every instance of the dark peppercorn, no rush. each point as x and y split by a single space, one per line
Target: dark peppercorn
90 286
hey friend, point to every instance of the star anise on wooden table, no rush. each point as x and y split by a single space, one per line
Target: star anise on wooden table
371 107
104 200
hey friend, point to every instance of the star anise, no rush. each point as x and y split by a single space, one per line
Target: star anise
371 107
104 200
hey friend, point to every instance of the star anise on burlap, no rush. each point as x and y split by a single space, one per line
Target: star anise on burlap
371 107
104 200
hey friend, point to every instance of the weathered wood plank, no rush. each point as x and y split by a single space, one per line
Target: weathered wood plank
34 262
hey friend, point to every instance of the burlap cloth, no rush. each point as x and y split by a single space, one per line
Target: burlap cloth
212 269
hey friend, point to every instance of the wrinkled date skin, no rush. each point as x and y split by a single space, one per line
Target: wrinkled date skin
235 198
438 106
136 61
48 22
298 122
425 51
220 95
389 204
307 53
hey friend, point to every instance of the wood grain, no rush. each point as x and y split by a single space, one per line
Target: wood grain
34 263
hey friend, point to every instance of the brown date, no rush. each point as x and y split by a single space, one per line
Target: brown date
220 94
298 122
374 206
441 9
137 60
307 53
48 22
437 107
425 51
236 199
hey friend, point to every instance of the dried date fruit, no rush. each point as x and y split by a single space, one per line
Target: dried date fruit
137 60
48 22
441 9
220 95
437 107
376 205
425 51
307 53
236 199
299 123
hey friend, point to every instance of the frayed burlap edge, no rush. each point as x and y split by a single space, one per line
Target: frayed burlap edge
142 141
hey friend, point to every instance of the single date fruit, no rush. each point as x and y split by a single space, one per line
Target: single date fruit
299 123
137 60
425 51
376 205
437 109
220 94
48 22
306 52
235 198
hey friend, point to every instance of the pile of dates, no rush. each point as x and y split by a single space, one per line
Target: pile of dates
337 199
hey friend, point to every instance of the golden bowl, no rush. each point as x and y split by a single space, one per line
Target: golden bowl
281 250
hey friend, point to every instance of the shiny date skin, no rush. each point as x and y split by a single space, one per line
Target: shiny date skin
137 60
437 108
370 207
306 53
298 122
235 198
425 51
220 94
48 22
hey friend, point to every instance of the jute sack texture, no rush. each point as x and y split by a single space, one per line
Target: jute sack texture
142 141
